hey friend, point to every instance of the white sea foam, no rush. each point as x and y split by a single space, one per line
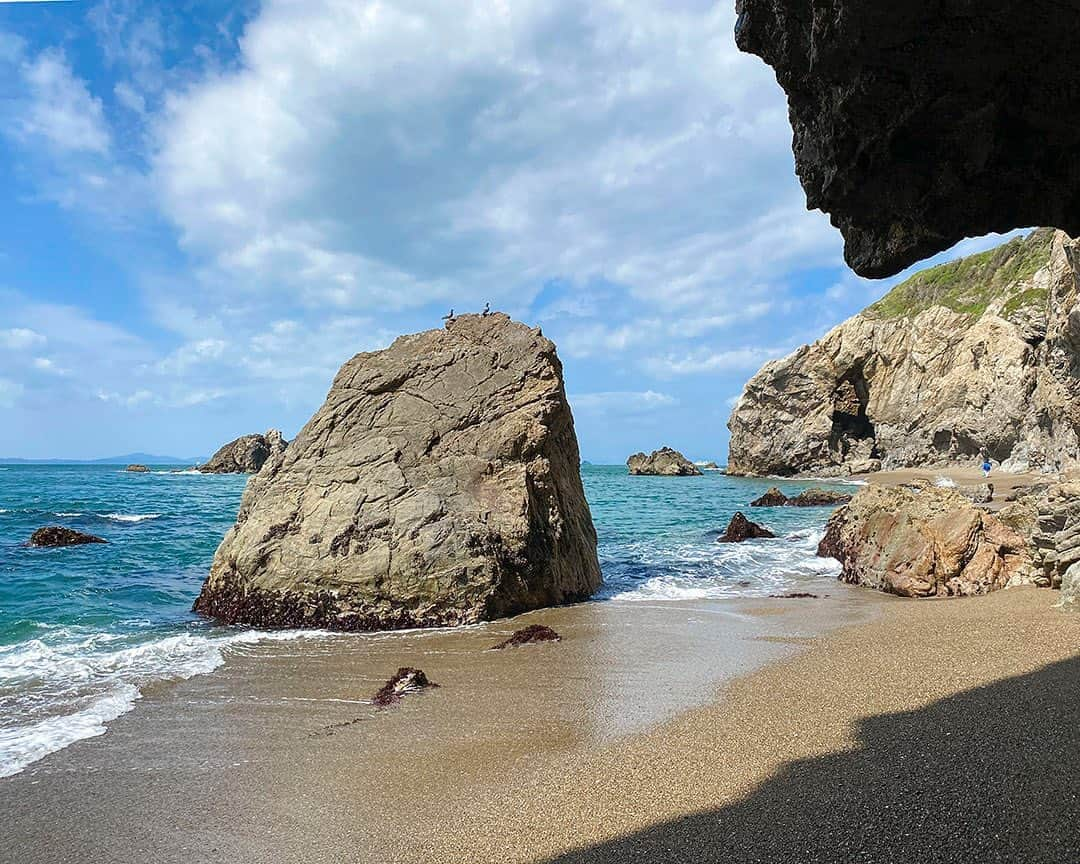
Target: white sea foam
67 515
694 571
130 517
73 686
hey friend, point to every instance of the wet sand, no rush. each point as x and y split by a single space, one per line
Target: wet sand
878 729
278 755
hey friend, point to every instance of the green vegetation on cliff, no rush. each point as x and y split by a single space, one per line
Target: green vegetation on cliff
970 284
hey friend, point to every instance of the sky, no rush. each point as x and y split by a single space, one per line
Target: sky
207 207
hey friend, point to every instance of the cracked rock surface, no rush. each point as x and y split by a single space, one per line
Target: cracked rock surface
439 484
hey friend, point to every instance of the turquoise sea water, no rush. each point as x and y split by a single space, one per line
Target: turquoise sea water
84 629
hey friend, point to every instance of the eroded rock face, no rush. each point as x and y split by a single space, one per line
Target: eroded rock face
925 542
740 528
918 124
981 354
818 498
772 497
246 455
437 485
56 535
664 462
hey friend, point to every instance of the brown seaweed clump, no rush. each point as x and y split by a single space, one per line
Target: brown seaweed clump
528 635
405 680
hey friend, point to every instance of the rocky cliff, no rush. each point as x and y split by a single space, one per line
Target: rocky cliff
918 124
978 354
438 484
246 455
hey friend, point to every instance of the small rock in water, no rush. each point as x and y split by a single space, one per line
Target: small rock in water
56 535
406 680
740 528
137 469
795 595
818 498
528 635
773 498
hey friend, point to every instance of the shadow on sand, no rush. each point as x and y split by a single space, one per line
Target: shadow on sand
989 775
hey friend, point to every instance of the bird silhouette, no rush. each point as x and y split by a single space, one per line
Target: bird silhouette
449 317
487 310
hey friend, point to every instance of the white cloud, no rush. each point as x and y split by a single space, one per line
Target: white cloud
20 338
368 153
59 110
622 402
703 360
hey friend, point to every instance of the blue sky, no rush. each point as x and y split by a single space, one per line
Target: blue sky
205 208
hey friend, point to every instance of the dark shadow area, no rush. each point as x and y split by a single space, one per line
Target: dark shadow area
989 775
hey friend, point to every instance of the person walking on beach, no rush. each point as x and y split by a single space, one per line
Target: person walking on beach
986 466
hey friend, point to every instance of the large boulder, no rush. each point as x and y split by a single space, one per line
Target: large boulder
917 124
977 355
664 462
923 542
52 536
246 455
437 485
818 498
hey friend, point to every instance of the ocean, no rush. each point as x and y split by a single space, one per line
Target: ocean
84 630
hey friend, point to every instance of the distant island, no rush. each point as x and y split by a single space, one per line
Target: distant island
124 459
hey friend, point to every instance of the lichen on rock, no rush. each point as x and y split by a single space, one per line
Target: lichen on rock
439 484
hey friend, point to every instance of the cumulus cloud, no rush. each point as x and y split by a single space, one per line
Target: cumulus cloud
622 402
373 153
702 360
20 338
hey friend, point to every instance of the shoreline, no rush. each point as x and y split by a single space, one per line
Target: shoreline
226 757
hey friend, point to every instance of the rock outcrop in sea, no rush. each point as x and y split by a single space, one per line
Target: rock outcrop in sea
918 124
740 528
137 469
439 484
52 536
924 542
664 462
246 455
978 355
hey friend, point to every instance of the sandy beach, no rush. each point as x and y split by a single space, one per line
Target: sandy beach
856 726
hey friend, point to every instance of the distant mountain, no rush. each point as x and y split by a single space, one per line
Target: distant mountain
125 459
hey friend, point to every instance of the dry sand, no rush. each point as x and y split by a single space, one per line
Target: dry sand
1004 484
918 731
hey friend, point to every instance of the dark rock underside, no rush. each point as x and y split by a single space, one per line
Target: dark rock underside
918 124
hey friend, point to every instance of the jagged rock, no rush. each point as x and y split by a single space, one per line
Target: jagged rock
664 462
918 124
246 455
405 680
1070 588
818 498
1055 538
923 543
439 484
982 354
56 535
707 466
527 636
137 469
982 493
772 498
740 528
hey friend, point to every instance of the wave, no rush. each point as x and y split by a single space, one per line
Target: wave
71 688
68 515
130 517
695 571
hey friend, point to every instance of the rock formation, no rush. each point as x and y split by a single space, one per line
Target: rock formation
740 528
926 542
56 535
1053 519
918 124
246 455
664 462
773 497
807 498
137 469
981 354
438 485
530 635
